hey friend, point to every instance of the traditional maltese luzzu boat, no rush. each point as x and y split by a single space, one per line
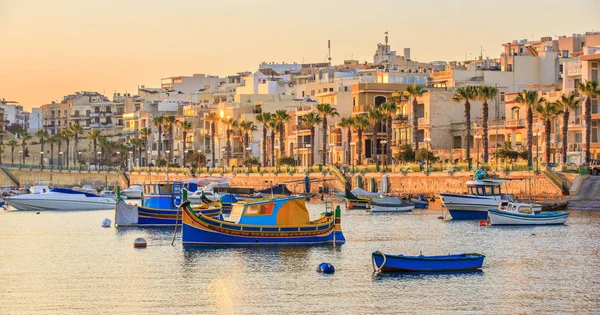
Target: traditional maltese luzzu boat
283 221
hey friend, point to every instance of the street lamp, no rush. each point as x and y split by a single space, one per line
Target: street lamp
428 142
79 159
131 159
478 139
537 135
352 144
20 159
223 158
384 143
60 157
148 155
331 147
168 152
99 154
42 159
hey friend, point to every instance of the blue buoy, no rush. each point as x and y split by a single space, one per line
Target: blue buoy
326 268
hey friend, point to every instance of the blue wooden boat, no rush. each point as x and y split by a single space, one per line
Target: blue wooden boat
420 203
280 220
160 207
400 263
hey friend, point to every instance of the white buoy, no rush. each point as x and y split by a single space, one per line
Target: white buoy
106 222
140 243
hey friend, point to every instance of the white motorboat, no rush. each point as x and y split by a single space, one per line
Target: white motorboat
390 204
133 192
38 189
60 199
87 189
523 214
209 192
111 194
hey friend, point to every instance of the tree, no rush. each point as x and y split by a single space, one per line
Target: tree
59 138
76 130
531 100
144 134
375 117
426 155
247 126
137 144
251 161
347 122
287 160
67 134
324 111
589 89
361 122
547 111
25 136
43 135
567 102
281 117
388 109
186 127
213 119
415 91
265 119
311 120
466 94
485 93
405 153
105 145
158 122
230 125
169 123
12 143
52 141
94 135
2 144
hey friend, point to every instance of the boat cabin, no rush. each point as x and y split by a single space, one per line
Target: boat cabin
290 211
485 188
522 208
164 195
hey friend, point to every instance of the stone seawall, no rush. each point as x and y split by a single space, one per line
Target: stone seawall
26 177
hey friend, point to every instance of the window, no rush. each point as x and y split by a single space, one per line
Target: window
594 131
312 93
166 189
489 191
345 89
502 96
379 100
515 113
260 209
525 210
480 190
457 142
519 138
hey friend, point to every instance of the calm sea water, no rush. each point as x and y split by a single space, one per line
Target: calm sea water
66 263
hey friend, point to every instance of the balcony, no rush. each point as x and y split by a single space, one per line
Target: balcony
95 125
96 114
400 118
515 123
573 68
107 114
424 121
130 131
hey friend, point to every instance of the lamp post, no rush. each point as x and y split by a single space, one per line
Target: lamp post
42 160
309 146
79 159
99 154
223 158
478 139
384 143
119 159
168 152
331 148
352 144
428 142
20 159
148 155
60 157
131 161
537 135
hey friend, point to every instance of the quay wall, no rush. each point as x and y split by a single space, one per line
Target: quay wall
26 177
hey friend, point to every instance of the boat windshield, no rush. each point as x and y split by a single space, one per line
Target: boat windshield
525 210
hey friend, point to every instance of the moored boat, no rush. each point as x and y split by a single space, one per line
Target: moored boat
390 204
524 214
281 220
356 202
133 192
58 199
443 263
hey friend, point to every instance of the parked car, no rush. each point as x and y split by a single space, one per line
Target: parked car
594 167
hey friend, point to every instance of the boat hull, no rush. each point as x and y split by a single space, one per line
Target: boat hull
391 208
499 217
131 215
44 204
132 194
462 207
399 263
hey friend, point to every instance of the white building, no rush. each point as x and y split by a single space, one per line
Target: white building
195 83
35 120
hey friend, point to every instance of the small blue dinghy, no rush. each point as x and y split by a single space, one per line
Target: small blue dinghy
400 263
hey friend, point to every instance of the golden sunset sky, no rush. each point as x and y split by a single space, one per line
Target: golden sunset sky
52 48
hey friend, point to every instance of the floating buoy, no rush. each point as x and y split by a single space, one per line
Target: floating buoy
533 234
140 243
441 217
483 223
37 212
106 222
326 268
350 206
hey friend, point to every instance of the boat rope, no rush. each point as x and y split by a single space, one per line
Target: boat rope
375 267
175 227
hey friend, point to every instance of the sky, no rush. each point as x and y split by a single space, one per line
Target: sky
52 48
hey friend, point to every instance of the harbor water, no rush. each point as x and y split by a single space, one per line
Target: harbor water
64 262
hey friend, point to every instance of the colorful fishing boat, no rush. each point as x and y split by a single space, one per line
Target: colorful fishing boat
420 203
524 214
356 202
444 263
160 207
282 221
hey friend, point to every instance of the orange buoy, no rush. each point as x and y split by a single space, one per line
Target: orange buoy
483 223
350 206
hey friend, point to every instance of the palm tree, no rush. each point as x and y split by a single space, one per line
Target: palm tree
105 146
265 119
12 143
531 100
547 111
186 126
247 126
169 123
388 109
361 122
485 93
24 135
466 94
326 110
311 120
212 118
137 143
76 130
589 89
347 122
567 103
415 91
375 117
2 144
230 125
158 122
67 134
52 141
281 117
43 135
94 135
144 134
